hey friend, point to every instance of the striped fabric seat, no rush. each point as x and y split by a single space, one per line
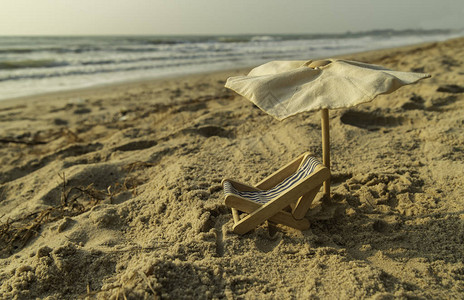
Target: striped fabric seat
262 197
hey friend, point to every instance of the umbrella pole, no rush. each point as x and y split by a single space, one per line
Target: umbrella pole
325 146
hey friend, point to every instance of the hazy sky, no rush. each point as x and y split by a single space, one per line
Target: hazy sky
83 17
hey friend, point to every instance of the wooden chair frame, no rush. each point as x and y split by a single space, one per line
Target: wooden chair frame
299 198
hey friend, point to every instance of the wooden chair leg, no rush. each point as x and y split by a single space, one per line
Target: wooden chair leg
271 228
235 215
304 203
283 218
260 215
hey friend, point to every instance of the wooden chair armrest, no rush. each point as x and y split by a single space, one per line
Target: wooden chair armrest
284 172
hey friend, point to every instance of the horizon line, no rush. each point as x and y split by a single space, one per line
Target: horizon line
348 32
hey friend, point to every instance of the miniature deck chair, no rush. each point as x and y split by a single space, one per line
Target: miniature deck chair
293 187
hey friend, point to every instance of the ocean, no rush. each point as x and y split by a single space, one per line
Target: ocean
35 65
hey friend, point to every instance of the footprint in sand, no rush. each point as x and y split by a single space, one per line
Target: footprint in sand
451 88
415 102
444 101
82 110
209 131
34 164
191 107
369 120
137 145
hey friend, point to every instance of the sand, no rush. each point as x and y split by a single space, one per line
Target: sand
114 192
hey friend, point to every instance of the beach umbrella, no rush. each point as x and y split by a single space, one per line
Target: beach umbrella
285 88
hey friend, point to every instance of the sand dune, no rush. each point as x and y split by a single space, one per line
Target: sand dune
115 192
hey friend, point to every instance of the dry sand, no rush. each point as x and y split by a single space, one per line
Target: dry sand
115 192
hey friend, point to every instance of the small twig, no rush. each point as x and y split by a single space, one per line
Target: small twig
64 198
110 194
145 278
88 290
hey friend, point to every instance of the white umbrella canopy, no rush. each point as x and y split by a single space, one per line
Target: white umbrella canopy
285 88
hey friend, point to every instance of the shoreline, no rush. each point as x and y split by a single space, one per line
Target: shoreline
103 88
370 55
